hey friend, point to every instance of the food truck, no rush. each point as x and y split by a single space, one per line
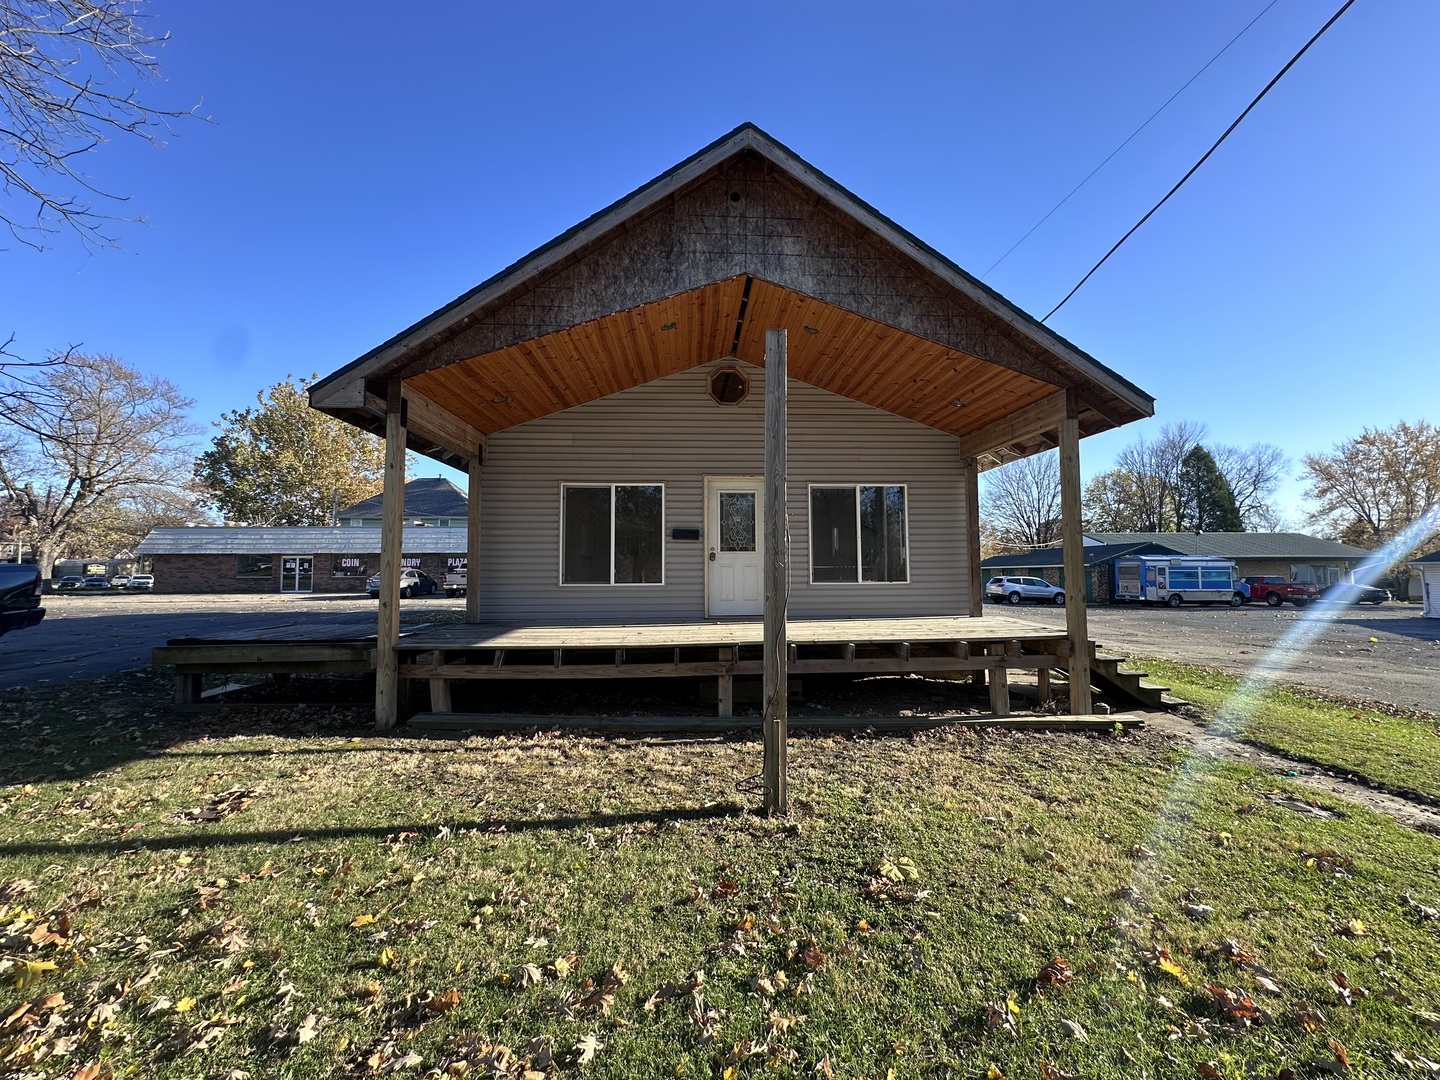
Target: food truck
1178 579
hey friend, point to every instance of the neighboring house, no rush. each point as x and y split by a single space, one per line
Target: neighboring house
1049 563
299 559
429 500
1293 556
613 384
1428 569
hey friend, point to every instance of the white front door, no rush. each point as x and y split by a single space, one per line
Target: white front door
734 531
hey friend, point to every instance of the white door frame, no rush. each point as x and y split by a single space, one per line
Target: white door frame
297 559
712 531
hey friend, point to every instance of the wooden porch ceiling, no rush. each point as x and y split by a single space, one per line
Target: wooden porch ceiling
834 349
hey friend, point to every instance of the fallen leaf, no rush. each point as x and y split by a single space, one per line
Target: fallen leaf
1075 1030
1338 1049
526 975
439 1004
184 1005
1056 973
307 1029
361 920
587 1047
30 972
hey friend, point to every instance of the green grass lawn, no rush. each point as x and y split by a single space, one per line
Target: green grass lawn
285 894
1397 749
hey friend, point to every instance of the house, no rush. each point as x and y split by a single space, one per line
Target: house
1049 563
612 389
1292 556
1428 569
300 559
429 500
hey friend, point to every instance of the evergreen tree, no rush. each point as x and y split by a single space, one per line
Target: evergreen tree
1206 503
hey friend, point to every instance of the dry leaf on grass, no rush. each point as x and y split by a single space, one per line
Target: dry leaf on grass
1056 973
587 1047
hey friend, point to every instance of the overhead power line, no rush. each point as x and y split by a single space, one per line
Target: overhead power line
1128 140
1268 86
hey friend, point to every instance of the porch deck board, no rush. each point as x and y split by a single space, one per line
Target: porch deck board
729 633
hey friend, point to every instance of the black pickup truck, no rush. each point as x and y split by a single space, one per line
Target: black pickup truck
20 588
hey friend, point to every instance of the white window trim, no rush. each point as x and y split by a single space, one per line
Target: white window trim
612 583
810 534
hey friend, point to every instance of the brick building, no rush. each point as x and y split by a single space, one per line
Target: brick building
330 559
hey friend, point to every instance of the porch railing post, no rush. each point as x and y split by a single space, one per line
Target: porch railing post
1072 542
392 537
777 576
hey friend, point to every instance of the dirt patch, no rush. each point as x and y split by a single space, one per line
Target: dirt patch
1190 725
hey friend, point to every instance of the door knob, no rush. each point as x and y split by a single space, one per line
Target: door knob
712 554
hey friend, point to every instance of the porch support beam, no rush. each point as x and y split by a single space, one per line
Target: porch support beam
777 575
435 424
1072 540
472 538
392 521
971 469
1026 423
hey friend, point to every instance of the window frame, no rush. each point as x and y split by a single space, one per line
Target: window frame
859 542
612 583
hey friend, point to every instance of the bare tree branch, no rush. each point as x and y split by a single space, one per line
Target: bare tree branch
67 75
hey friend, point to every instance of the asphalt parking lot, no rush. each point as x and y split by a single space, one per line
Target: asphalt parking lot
89 634
1387 652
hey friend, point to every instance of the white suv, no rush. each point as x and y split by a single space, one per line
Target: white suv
1011 590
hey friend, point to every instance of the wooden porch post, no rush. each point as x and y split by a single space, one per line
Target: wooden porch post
971 468
472 540
1073 539
777 575
387 635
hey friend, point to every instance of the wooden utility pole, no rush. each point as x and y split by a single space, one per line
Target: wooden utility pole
1073 542
974 572
392 538
472 539
777 576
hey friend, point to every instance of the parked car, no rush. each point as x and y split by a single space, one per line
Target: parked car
455 582
69 581
1350 592
20 589
1012 590
119 581
96 581
412 583
1276 590
142 581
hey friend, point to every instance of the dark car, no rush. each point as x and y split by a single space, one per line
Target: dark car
20 588
1351 592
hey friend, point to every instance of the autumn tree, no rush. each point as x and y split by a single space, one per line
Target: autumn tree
84 440
1020 506
69 72
1116 501
1254 473
1204 501
1375 485
284 463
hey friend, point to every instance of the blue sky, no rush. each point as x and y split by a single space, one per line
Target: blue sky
368 162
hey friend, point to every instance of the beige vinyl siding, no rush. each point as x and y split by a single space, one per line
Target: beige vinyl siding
670 432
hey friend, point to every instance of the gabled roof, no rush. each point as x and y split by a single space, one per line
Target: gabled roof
742 236
1432 558
296 540
1241 545
1093 555
425 496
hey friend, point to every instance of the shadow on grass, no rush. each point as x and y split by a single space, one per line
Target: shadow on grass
490 826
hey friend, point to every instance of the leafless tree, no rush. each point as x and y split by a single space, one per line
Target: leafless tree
81 442
1021 502
68 76
1253 473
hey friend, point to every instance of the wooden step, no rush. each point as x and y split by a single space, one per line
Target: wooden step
480 722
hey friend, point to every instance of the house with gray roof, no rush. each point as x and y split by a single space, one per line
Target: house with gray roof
429 500
1049 564
1291 555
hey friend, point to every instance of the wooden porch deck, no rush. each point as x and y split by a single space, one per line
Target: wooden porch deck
987 648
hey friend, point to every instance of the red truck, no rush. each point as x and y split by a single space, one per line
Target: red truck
1276 590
